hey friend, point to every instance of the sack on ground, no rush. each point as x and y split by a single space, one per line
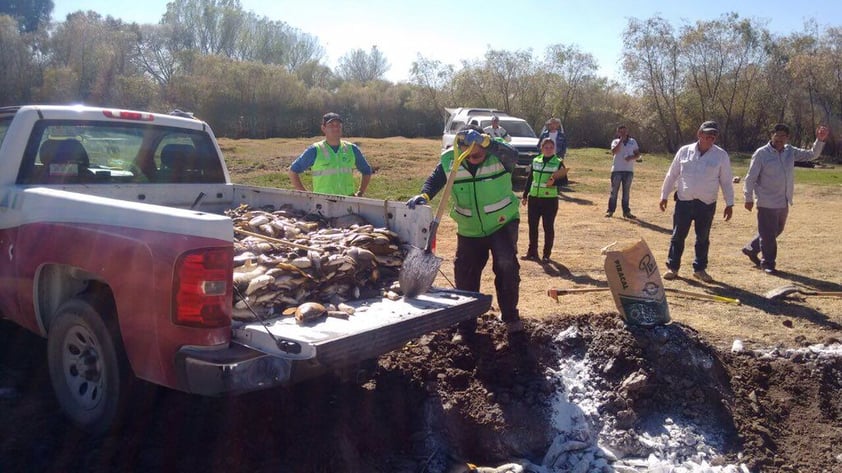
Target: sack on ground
636 284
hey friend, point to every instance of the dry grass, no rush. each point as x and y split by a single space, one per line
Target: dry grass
807 249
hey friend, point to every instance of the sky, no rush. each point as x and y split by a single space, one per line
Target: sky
453 31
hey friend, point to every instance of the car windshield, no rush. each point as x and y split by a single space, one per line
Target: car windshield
513 127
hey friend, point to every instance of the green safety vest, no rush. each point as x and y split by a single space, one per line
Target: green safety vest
333 171
482 204
541 173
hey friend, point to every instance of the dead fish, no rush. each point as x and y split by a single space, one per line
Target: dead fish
309 311
258 282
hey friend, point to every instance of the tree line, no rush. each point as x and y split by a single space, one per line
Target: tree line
252 77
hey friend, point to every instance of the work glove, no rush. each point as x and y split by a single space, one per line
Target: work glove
419 199
470 137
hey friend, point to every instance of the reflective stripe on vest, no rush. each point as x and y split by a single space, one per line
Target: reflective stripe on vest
541 173
333 170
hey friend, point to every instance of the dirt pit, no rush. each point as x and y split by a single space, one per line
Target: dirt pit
582 393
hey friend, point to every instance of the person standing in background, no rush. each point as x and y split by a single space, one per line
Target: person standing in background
626 152
553 129
696 174
332 161
541 199
770 179
496 131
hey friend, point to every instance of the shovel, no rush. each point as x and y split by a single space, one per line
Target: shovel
783 291
420 266
554 293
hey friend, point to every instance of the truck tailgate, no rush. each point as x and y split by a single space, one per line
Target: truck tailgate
378 326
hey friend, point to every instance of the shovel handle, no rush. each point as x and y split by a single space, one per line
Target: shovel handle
554 293
275 240
451 177
702 295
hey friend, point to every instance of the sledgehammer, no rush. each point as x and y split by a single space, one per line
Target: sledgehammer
554 293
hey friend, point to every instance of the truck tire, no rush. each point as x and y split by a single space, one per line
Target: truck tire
87 366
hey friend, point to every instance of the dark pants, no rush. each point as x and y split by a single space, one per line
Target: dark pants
544 209
617 178
471 256
770 224
687 212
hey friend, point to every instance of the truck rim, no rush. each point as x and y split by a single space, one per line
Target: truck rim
83 367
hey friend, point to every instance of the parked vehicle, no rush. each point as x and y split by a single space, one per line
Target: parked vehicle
523 136
117 251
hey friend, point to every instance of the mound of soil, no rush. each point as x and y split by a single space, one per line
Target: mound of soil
435 405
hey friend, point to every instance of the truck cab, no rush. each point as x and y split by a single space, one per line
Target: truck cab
523 136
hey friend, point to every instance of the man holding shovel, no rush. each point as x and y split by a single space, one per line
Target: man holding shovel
770 180
486 213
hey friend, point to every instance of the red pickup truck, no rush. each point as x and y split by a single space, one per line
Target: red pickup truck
122 257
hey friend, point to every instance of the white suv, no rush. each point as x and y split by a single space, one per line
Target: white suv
523 137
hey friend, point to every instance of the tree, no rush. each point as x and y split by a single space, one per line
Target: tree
16 63
433 84
29 14
359 66
570 68
651 62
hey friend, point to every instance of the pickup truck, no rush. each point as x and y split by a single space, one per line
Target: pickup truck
117 250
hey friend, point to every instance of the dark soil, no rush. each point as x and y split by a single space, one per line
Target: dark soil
434 405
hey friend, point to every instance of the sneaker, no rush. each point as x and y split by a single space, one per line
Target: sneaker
752 256
670 275
545 259
770 271
514 326
609 214
629 216
703 276
529 257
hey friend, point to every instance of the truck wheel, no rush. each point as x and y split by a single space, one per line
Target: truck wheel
87 367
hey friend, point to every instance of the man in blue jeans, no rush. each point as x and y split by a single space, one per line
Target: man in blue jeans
696 174
625 151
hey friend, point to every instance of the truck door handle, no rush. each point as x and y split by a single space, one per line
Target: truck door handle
11 251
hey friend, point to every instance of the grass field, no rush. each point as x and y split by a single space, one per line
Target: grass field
807 249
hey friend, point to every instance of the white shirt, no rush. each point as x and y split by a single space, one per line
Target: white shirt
629 148
498 132
699 176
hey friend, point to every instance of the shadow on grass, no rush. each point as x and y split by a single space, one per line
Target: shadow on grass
556 269
650 226
785 308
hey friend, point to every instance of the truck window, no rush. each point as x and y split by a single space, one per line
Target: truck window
90 152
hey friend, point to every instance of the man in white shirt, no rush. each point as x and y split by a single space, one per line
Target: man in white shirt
625 151
696 174
497 131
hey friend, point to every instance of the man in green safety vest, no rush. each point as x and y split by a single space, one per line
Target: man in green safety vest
487 216
332 162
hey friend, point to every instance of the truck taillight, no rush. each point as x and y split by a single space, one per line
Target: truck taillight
203 288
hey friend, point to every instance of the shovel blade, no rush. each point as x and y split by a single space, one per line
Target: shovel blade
781 292
418 272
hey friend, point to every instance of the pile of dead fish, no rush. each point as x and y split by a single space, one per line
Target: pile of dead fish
284 258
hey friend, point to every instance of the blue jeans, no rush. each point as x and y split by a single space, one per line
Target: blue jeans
617 178
686 213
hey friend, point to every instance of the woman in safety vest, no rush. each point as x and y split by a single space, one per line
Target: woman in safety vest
541 195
